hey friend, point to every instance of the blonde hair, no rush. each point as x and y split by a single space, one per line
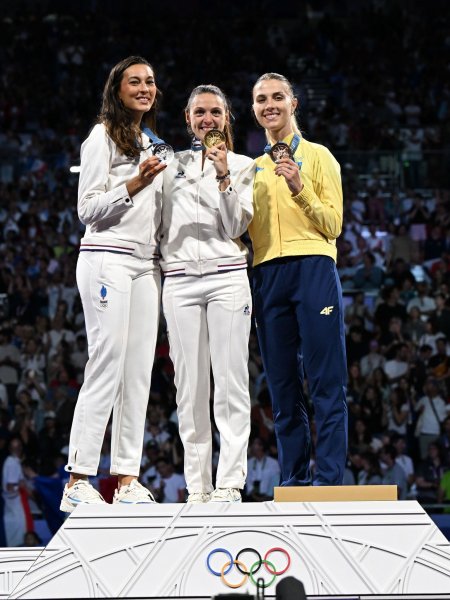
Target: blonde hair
283 79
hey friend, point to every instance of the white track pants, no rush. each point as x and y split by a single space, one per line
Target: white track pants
208 321
121 300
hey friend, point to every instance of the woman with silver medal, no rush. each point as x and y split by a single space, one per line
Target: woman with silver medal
207 205
119 281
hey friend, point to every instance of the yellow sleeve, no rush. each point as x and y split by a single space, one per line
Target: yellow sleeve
323 203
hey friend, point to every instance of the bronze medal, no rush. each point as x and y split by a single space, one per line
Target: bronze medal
280 150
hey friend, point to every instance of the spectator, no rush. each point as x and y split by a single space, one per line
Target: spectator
423 301
9 363
369 276
370 473
356 383
372 360
149 460
432 411
402 247
393 474
429 475
168 486
263 473
357 344
439 365
79 356
360 438
32 382
261 416
430 336
13 484
441 315
388 308
373 410
415 327
443 495
398 411
398 366
402 459
444 441
358 308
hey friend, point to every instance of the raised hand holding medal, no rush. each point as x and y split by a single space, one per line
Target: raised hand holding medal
283 157
163 151
161 154
216 151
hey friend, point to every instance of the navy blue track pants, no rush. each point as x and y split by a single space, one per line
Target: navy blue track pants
300 325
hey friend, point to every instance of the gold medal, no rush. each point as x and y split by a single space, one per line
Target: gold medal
214 137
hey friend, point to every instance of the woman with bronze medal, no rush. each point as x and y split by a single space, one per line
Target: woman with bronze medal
207 206
296 291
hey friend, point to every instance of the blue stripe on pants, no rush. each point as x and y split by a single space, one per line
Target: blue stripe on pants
299 315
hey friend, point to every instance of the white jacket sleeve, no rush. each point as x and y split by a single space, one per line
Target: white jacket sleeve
236 203
94 201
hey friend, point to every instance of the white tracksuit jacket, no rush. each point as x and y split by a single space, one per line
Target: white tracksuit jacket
207 306
119 281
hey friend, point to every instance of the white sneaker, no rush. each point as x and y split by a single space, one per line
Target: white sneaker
199 498
133 493
81 492
226 495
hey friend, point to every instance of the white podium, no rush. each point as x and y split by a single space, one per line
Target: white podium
176 550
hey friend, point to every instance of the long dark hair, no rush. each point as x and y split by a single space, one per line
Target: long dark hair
213 89
118 119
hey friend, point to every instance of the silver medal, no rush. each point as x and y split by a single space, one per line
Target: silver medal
164 152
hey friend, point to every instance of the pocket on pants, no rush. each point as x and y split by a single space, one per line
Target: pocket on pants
241 291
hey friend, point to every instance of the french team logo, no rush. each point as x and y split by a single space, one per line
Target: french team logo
103 294
247 310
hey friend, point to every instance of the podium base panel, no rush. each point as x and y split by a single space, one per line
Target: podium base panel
369 549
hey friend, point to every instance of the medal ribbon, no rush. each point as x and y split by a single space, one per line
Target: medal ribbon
196 145
293 146
153 137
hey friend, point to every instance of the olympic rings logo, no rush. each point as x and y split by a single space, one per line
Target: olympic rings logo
242 568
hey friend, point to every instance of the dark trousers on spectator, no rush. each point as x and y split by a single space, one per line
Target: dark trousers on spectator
298 309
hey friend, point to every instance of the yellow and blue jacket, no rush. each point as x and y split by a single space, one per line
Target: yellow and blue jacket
306 224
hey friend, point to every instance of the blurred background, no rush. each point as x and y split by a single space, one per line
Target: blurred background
372 80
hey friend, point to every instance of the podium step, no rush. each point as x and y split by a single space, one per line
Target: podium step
335 493
349 549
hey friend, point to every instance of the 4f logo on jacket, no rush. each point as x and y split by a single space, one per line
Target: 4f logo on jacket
327 310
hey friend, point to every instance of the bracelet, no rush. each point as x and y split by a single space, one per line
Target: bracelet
221 178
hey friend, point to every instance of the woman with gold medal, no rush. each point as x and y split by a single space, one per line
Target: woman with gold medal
207 206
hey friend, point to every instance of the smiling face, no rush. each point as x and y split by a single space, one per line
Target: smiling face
273 106
138 89
206 112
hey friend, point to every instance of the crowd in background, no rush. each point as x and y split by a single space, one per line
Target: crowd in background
360 90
